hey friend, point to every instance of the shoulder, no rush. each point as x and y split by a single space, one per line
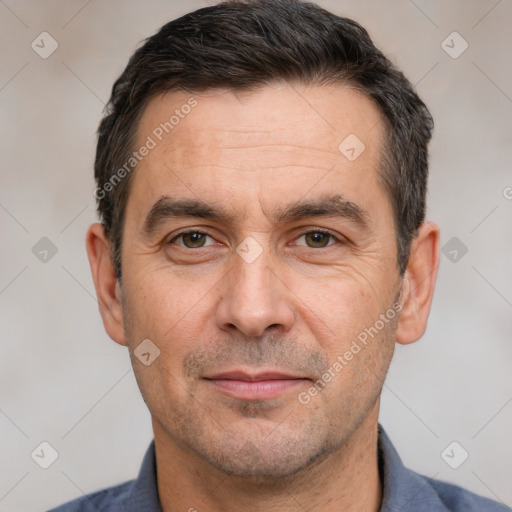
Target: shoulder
457 499
136 495
405 489
107 500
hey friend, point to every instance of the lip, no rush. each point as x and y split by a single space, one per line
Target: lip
254 386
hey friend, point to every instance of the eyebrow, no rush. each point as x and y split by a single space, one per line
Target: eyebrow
167 208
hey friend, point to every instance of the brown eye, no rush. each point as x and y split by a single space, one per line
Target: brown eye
317 239
191 240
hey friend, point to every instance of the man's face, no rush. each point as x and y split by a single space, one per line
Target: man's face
267 288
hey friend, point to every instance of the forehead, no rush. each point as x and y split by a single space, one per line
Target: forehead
280 138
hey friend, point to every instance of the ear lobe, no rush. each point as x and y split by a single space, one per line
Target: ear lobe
419 283
107 286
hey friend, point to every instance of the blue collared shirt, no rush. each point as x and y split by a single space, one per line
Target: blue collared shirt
403 490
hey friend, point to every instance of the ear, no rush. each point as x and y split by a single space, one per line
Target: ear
418 286
107 286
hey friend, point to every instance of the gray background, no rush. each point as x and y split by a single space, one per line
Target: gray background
65 382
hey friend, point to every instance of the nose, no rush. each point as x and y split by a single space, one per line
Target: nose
254 299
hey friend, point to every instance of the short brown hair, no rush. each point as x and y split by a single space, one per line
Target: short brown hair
243 45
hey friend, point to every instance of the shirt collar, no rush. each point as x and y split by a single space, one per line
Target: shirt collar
144 492
402 489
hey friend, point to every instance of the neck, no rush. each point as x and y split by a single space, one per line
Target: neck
347 479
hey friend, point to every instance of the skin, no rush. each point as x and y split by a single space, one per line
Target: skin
295 308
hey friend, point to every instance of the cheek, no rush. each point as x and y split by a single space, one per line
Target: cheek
357 370
165 307
170 317
337 308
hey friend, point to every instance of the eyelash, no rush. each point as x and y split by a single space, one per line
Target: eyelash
316 230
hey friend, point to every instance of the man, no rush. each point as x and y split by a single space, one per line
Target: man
261 177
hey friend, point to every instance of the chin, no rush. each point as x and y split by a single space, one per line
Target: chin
267 459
